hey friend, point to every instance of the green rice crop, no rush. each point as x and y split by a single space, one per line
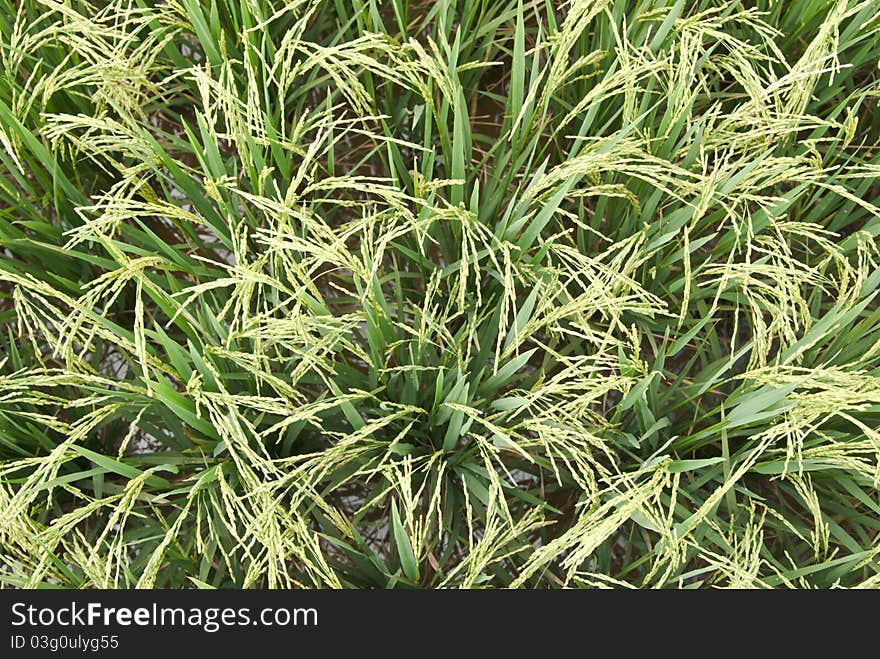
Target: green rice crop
434 293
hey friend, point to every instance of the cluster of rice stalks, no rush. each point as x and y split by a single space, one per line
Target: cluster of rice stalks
483 293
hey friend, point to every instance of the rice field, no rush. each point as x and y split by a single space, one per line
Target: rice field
439 294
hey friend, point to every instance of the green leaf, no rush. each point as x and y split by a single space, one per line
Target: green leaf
404 547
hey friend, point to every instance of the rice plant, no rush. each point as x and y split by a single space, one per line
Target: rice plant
439 294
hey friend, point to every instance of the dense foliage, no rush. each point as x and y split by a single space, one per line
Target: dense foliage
424 293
